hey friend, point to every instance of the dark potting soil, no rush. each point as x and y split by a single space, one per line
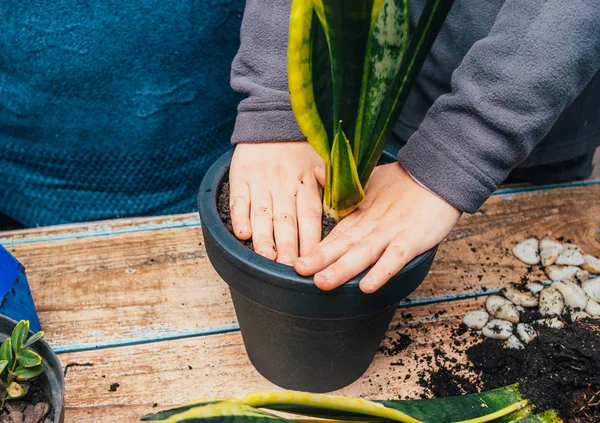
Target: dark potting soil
559 369
38 392
327 224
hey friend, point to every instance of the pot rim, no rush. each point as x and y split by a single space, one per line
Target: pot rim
282 275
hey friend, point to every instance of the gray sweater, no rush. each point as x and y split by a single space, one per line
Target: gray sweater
505 84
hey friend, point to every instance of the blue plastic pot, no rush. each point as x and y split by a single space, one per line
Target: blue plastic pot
16 300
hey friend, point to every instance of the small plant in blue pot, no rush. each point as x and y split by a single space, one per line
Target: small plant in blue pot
351 66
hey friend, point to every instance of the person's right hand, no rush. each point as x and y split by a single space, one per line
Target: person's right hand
275 198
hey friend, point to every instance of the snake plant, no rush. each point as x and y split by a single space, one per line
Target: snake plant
350 69
505 405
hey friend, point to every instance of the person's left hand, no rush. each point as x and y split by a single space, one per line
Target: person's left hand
398 220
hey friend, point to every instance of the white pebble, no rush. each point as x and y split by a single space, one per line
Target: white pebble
592 264
578 315
573 294
546 244
526 332
549 251
559 273
534 287
570 258
552 302
498 329
514 343
592 289
527 251
476 319
552 322
508 312
593 308
519 297
494 302
572 247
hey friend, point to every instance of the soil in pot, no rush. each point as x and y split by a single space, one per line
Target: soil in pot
35 407
327 224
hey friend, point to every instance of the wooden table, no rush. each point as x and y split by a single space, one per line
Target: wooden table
135 302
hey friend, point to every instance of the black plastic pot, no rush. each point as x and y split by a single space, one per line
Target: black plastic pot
296 335
52 379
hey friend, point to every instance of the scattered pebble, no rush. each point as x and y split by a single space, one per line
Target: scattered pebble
552 322
494 302
548 244
578 315
552 302
592 264
476 319
497 329
508 312
519 297
534 287
572 293
559 273
526 332
592 289
570 258
549 251
572 247
592 308
527 251
514 343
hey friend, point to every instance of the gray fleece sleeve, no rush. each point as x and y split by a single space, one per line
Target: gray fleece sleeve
259 71
507 93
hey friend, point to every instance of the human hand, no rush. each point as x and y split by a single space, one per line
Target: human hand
398 220
275 198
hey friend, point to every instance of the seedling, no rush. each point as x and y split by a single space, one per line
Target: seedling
18 362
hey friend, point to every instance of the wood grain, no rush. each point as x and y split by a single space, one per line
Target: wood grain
173 372
141 281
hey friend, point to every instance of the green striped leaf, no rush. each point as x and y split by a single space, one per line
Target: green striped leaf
163 415
346 191
225 412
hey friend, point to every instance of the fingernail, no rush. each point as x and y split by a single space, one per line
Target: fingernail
368 283
242 229
325 275
266 249
304 261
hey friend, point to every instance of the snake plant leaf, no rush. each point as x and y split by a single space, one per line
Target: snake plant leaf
346 191
33 339
224 412
28 358
163 415
300 76
387 41
430 22
19 335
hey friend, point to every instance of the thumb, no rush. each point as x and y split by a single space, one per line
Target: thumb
320 174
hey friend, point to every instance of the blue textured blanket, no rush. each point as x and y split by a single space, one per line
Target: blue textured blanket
112 108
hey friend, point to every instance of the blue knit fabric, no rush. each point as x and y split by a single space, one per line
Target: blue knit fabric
112 108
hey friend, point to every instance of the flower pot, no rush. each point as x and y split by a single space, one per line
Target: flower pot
51 381
296 335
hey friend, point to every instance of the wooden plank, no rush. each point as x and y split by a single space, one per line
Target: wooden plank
158 284
173 372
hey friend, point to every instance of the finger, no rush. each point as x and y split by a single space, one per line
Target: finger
396 256
310 209
262 224
285 227
326 253
320 175
357 259
239 208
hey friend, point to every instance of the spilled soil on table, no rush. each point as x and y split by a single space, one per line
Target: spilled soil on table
327 224
560 370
